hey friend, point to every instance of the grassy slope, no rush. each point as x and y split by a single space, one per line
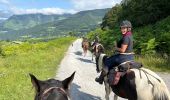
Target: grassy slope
40 59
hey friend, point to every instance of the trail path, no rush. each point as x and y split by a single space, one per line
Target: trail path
84 86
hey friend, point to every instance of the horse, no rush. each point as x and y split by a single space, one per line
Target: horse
52 89
85 46
97 49
136 84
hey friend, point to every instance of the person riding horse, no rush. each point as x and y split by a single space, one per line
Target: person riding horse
94 43
124 47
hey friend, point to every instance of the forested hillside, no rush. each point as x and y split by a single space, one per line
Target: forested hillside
151 28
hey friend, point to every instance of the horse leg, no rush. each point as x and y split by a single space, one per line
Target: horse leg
85 53
107 88
115 97
92 57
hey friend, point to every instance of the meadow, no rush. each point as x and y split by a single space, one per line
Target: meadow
17 60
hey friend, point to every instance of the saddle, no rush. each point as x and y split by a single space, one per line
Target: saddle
123 67
119 71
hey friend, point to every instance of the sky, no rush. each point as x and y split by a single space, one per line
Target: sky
10 7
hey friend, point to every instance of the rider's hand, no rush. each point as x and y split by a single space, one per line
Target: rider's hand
116 48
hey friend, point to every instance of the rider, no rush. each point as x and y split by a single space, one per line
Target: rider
124 47
96 41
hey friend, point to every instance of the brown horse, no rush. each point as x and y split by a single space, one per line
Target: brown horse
85 46
52 89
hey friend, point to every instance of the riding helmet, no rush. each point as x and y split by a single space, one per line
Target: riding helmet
126 23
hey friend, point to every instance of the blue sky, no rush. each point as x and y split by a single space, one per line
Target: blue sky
52 6
27 4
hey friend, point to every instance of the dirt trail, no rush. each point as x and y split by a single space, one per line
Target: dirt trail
84 86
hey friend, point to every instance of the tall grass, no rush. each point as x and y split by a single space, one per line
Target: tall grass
155 62
17 60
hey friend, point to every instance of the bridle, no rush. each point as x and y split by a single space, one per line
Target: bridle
51 88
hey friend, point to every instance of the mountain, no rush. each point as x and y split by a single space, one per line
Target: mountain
79 24
4 15
83 21
1 20
17 22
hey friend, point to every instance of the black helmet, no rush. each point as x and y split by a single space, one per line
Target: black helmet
126 23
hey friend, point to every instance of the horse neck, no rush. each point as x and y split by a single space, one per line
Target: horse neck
101 61
101 49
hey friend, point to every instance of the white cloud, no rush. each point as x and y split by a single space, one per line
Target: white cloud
13 9
93 4
3 18
47 11
4 1
78 5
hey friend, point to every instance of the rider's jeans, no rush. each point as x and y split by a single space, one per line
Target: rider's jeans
117 59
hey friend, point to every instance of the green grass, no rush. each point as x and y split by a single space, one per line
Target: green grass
155 62
41 59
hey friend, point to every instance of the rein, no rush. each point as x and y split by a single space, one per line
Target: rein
51 88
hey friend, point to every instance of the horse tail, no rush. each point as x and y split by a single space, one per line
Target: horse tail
160 90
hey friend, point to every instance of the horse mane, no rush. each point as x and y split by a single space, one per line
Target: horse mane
159 88
100 61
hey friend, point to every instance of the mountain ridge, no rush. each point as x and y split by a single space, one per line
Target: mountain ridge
79 23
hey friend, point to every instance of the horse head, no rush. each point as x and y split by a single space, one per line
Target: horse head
52 89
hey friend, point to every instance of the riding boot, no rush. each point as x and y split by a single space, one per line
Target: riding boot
100 79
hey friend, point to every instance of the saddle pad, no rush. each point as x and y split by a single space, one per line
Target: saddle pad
129 65
114 77
117 78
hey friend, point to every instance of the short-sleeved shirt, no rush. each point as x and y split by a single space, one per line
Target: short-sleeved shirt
126 40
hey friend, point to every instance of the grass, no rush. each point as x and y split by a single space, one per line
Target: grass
155 62
41 59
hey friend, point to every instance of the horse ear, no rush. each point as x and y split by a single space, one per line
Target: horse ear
66 83
35 82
